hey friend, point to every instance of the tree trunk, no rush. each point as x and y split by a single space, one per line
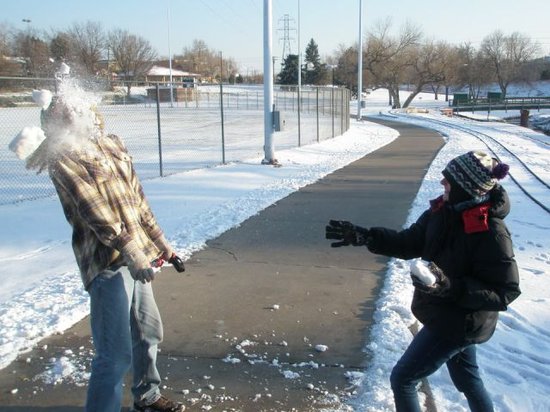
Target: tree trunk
410 98
394 93
417 89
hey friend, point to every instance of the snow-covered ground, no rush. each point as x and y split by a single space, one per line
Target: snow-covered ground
42 292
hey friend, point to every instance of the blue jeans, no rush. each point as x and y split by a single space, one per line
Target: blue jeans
425 355
126 329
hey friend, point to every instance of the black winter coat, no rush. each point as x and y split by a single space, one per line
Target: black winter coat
474 249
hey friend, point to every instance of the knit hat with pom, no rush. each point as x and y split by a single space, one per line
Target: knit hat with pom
475 172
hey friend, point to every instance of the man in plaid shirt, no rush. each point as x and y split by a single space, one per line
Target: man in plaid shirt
115 240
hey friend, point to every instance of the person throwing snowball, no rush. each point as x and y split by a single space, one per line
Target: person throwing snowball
466 275
118 246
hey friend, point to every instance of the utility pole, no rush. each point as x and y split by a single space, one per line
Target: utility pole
286 19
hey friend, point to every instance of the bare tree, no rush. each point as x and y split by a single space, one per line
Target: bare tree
88 41
389 58
231 69
429 64
7 66
61 46
4 40
472 70
345 72
508 55
133 55
452 69
36 53
199 58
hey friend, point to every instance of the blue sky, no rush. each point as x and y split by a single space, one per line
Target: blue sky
235 26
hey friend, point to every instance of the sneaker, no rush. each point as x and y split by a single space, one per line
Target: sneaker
162 404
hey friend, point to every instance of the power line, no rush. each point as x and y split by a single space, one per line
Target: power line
255 5
218 15
225 20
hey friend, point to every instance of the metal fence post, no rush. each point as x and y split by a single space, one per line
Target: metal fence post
159 132
299 121
341 92
317 110
332 109
223 131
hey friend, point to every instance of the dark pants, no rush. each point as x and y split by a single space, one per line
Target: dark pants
425 355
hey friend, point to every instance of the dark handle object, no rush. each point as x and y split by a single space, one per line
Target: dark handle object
177 262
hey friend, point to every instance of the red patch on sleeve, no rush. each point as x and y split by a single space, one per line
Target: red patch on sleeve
476 219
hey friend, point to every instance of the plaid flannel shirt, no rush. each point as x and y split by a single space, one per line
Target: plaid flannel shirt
104 203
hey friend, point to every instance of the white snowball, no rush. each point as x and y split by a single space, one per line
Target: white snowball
321 348
27 141
419 268
42 98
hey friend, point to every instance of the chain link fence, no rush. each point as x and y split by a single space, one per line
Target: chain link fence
173 129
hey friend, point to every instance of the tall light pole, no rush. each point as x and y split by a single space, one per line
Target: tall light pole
29 34
299 80
170 61
299 54
360 62
269 155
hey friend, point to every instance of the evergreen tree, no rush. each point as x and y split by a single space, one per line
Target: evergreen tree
289 71
313 71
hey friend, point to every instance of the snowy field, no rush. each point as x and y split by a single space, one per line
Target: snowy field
42 292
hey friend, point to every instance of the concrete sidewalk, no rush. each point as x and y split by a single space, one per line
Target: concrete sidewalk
241 324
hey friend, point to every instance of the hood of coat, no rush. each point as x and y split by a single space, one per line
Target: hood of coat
500 202
497 198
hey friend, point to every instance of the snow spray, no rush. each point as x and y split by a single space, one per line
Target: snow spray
69 120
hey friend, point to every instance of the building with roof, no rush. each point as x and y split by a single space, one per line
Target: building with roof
162 75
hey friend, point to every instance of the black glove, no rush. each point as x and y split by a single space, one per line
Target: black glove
347 233
441 287
177 262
